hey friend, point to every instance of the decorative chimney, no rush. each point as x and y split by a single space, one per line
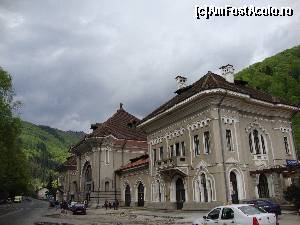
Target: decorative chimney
228 73
181 82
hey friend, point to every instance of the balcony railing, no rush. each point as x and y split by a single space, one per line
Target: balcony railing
173 162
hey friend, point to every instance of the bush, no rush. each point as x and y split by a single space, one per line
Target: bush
292 194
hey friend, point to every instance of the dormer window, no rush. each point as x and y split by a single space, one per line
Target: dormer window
132 124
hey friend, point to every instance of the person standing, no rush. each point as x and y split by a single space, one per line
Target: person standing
117 204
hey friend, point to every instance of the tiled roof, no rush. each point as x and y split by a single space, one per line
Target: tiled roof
136 162
121 125
212 81
70 164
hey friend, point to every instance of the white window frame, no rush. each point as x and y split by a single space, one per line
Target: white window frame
181 149
288 145
106 156
209 144
194 145
160 156
231 140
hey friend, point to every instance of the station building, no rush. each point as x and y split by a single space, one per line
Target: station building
216 141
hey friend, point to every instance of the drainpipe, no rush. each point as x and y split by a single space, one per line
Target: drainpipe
99 175
293 134
222 146
115 184
115 175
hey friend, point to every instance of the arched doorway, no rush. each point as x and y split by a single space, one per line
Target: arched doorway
263 189
127 195
204 196
106 186
180 193
141 195
234 188
87 180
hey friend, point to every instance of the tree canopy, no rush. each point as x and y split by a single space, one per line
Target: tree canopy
14 177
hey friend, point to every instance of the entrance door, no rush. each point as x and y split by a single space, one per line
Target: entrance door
141 195
204 188
234 188
263 189
127 196
180 193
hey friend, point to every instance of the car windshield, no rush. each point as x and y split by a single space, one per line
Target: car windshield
251 210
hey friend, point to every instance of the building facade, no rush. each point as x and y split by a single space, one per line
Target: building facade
68 180
134 182
218 141
100 154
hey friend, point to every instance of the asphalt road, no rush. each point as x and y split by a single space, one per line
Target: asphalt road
25 213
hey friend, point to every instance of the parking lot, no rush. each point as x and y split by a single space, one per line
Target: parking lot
147 217
38 212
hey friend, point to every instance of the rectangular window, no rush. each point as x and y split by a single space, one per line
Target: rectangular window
171 150
196 145
286 145
177 149
182 148
206 142
262 140
161 153
106 156
229 140
154 155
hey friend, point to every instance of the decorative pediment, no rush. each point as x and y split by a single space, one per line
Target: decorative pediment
202 165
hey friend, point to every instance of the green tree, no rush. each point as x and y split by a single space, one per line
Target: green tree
14 176
292 194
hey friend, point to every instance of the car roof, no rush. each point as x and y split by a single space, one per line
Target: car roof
235 205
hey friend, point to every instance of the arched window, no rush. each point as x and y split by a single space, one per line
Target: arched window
106 156
257 143
250 142
263 144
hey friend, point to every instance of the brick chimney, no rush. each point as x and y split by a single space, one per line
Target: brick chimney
181 82
228 73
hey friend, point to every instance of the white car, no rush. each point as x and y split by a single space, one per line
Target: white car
240 214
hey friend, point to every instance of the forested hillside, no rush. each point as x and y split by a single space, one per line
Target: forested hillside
45 148
280 76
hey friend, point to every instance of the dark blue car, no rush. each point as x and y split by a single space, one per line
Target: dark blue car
267 205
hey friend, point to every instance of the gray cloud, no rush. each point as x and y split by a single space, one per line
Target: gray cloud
72 61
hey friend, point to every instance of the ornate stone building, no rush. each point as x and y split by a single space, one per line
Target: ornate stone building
218 141
68 180
110 146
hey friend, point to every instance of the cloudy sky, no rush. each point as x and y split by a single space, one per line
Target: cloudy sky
72 62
